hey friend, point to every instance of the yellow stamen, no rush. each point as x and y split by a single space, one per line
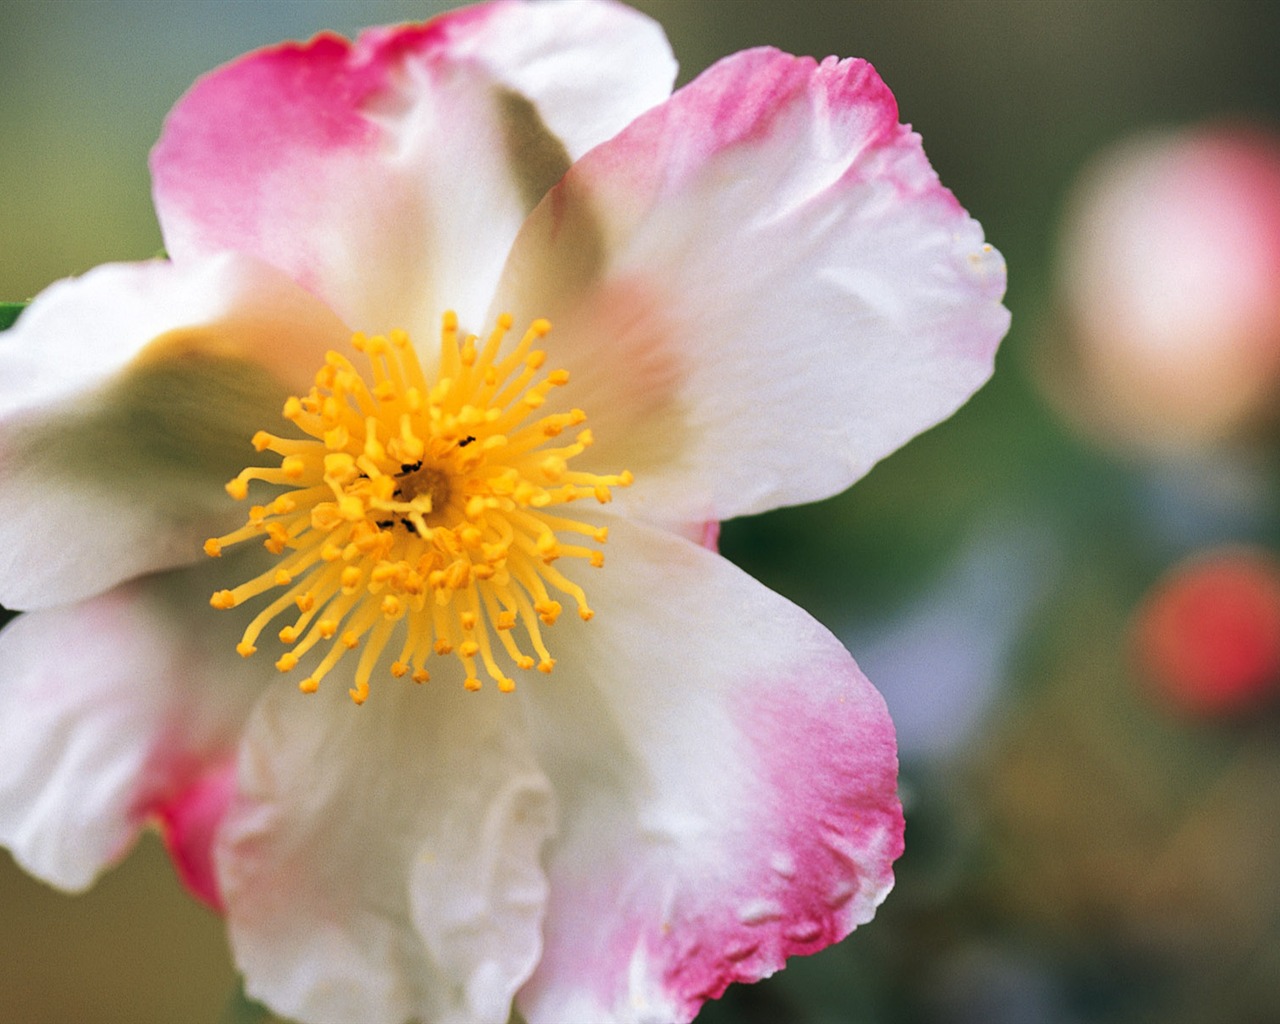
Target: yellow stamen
421 509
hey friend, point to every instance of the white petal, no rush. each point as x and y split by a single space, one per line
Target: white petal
760 289
110 710
389 176
590 67
127 399
727 784
382 864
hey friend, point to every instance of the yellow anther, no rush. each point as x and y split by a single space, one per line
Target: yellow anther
339 467
309 685
548 611
547 546
213 547
287 662
238 489
244 649
472 684
351 508
336 440
223 599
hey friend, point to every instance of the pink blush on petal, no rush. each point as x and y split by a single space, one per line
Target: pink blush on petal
820 855
189 823
808 858
711 535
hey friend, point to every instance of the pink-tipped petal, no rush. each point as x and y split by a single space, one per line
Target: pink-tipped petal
382 864
110 712
189 820
128 397
390 175
760 288
727 780
710 535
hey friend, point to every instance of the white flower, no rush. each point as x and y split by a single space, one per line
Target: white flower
755 289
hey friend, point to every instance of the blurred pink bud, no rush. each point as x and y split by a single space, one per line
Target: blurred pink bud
1170 278
1207 636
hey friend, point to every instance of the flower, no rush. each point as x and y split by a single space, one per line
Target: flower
522 308
1169 281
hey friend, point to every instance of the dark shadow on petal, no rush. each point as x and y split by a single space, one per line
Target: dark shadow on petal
177 423
537 156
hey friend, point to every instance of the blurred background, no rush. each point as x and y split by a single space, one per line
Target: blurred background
1068 593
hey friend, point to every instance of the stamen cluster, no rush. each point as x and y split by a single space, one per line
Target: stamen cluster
419 513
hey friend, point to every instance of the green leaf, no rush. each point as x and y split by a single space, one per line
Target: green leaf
240 1009
9 313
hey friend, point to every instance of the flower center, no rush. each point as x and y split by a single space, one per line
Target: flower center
419 514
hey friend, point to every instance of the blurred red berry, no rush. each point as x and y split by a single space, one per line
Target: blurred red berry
1207 635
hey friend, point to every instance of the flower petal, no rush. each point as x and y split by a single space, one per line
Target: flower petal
382 862
111 712
760 288
127 399
389 176
727 784
189 823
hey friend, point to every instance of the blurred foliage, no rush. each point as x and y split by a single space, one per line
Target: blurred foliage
9 313
241 1009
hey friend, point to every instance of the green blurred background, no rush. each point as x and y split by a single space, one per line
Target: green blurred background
1075 852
